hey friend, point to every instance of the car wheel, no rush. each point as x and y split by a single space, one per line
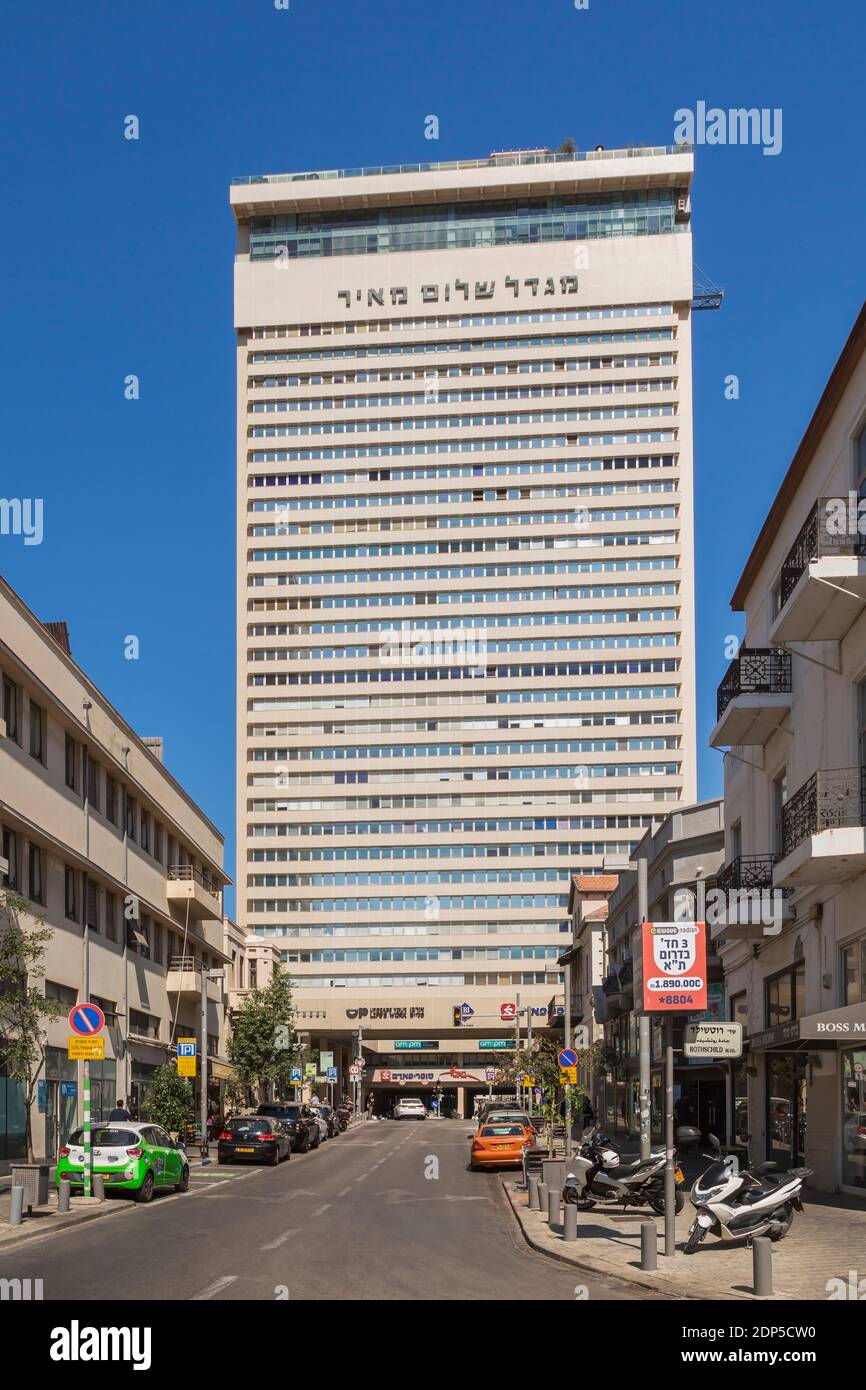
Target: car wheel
145 1192
275 1158
183 1185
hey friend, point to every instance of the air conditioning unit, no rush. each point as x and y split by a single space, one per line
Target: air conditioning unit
683 211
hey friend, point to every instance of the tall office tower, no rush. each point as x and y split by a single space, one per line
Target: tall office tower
465 573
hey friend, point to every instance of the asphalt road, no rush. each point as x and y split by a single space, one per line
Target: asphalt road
389 1212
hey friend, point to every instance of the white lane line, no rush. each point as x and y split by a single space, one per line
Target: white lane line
344 1191
216 1287
319 1210
362 1177
280 1240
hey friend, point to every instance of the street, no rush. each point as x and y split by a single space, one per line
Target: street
357 1219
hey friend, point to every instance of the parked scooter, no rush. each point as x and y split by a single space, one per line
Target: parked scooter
597 1171
743 1203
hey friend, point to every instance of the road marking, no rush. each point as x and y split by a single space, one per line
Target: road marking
344 1191
319 1210
280 1240
216 1287
362 1177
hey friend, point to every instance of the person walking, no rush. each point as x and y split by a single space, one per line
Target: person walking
119 1112
370 1106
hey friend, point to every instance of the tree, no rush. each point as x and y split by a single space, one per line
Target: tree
254 1046
568 146
24 1010
541 1061
169 1101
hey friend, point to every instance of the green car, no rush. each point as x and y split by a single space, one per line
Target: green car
135 1158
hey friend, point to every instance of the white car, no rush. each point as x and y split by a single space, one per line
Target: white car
321 1122
410 1109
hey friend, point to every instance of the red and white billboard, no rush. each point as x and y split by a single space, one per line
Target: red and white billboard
674 967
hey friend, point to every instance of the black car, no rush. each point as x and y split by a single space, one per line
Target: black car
255 1137
331 1118
297 1120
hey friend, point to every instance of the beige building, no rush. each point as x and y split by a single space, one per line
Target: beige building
499 348
792 713
116 858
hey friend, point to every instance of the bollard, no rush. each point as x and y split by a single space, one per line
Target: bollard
16 1206
63 1195
99 1187
649 1253
542 1197
569 1229
534 1204
552 1207
762 1266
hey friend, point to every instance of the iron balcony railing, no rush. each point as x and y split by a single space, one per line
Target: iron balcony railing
831 798
186 873
495 161
829 529
186 964
756 671
747 871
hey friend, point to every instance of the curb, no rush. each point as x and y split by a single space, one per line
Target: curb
630 1276
59 1224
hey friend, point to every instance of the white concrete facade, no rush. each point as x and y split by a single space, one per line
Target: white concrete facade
794 802
517 374
113 855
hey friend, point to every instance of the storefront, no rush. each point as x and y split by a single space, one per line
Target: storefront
853 1070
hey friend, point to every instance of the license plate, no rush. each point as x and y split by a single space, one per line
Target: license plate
678 1174
244 1151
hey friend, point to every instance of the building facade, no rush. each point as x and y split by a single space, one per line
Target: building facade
684 848
111 853
496 346
792 715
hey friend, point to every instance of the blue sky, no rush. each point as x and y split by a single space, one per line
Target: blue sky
116 259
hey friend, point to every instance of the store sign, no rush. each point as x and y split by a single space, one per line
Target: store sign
414 1045
495 1044
326 1061
469 289
674 965
713 1040
414 1011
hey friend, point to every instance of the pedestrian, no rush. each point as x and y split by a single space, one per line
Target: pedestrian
588 1114
370 1106
119 1112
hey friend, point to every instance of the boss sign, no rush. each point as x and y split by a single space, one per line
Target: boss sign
674 967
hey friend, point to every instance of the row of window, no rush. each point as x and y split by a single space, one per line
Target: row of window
409 726
274 405
366 751
410 904
423 927
445 422
354 955
452 673
467 521
467 623
548 797
426 322
454 849
460 446
407 983
396 648
357 477
366 577
400 877
577 541
453 825
488 697
465 497
432 374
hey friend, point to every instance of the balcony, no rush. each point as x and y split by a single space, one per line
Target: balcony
823 586
753 699
823 834
183 977
618 989
193 892
748 883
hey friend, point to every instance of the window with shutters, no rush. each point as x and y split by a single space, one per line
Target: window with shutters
71 763
92 782
71 894
37 732
92 905
10 708
110 799
111 917
10 854
36 883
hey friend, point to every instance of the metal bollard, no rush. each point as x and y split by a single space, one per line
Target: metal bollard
16 1206
569 1228
63 1194
762 1266
649 1253
553 1206
542 1196
534 1204
99 1187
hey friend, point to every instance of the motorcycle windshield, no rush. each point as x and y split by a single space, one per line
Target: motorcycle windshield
716 1173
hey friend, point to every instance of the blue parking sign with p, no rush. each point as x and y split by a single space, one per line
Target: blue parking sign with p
186 1049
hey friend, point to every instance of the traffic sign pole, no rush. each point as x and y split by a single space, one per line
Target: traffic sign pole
88 1151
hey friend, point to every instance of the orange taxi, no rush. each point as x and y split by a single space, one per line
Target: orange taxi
499 1143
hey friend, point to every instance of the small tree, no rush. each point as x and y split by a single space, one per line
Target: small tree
24 1010
253 1047
541 1061
169 1101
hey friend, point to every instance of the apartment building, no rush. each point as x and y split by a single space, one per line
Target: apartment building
792 715
683 849
499 347
588 908
116 858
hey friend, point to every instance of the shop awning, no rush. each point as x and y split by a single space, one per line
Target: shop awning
221 1071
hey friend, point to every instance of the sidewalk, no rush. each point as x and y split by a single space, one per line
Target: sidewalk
826 1242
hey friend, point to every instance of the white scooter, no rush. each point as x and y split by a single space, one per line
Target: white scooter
741 1203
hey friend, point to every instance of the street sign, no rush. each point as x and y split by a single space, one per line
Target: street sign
332 1073
568 1076
567 1058
580 1036
187 1050
489 1074
296 1076
508 1012
86 1020
674 961
526 1079
86 1049
467 1010
326 1061
713 1040
309 1069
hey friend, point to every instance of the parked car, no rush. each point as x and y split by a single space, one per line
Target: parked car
510 1117
319 1119
498 1145
256 1138
135 1158
408 1108
304 1134
332 1120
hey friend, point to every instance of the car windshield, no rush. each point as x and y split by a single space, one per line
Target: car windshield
501 1129
104 1138
249 1126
